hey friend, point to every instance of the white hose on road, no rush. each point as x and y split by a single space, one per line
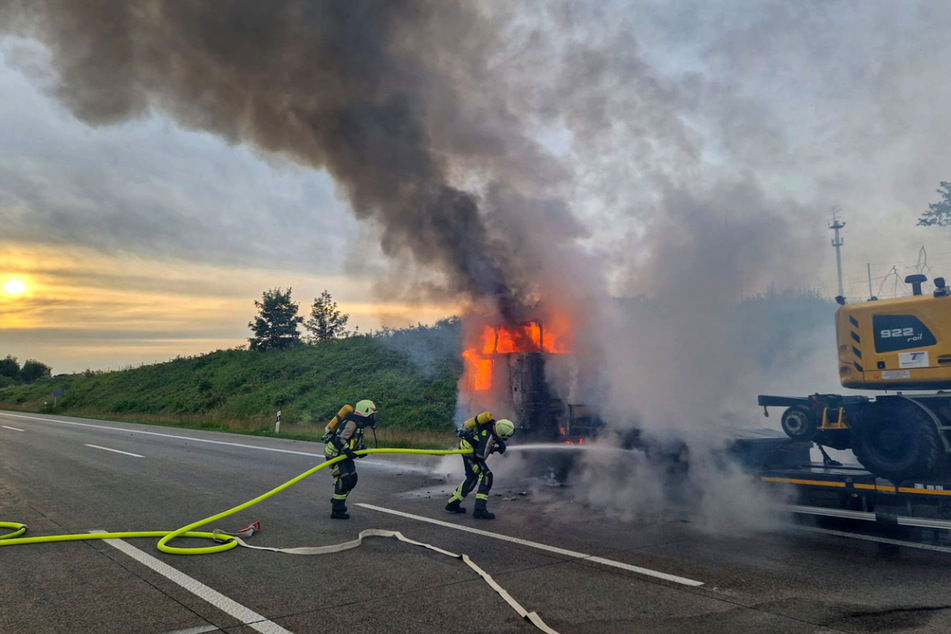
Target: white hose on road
532 617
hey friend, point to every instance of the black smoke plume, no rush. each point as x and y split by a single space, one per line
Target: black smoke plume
361 90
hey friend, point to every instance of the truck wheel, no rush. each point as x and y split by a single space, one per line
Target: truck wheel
799 422
897 445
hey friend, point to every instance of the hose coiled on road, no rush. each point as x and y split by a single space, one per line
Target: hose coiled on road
227 542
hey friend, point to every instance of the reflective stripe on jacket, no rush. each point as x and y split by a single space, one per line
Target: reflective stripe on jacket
348 435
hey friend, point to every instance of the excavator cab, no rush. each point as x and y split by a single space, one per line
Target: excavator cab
902 343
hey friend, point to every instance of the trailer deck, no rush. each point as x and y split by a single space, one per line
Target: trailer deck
852 493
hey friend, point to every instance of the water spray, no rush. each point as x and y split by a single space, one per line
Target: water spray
560 446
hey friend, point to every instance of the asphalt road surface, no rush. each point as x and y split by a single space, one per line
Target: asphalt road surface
578 569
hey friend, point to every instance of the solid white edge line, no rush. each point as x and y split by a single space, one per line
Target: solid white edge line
13 428
552 549
370 462
153 433
126 453
229 606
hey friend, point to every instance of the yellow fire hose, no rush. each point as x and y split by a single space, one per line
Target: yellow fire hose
12 539
227 542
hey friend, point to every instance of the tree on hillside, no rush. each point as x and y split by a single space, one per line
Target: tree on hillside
939 213
10 367
32 371
275 327
326 321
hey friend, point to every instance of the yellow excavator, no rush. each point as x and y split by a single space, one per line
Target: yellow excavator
898 345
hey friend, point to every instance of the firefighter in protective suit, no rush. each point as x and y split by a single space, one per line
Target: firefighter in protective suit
344 435
484 435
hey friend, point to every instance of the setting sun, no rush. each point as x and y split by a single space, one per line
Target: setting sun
14 287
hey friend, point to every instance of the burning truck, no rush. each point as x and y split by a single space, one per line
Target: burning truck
532 371
529 368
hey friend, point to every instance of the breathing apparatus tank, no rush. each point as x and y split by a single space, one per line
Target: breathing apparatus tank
471 424
341 416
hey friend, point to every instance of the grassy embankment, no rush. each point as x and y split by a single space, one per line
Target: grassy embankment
411 375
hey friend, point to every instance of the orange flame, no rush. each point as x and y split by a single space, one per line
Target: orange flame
479 371
528 337
554 337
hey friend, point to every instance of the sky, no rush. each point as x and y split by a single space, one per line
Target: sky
161 167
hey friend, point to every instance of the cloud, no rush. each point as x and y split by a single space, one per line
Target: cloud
149 187
617 110
693 151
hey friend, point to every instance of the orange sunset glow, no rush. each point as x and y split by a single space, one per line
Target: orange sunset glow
81 309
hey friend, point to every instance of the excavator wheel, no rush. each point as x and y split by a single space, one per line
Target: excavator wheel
897 444
799 422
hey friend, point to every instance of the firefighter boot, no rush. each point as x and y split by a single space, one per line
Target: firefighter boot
453 506
480 513
338 510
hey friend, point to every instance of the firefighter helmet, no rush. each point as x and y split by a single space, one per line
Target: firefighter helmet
365 408
504 428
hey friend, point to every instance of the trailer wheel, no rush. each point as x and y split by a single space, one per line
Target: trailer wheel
799 422
899 444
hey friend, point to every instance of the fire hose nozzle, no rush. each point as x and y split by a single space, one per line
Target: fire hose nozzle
221 536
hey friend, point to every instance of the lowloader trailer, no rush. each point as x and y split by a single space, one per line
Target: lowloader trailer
850 493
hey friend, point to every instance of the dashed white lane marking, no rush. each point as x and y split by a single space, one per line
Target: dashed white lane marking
13 428
368 462
552 549
229 606
126 453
